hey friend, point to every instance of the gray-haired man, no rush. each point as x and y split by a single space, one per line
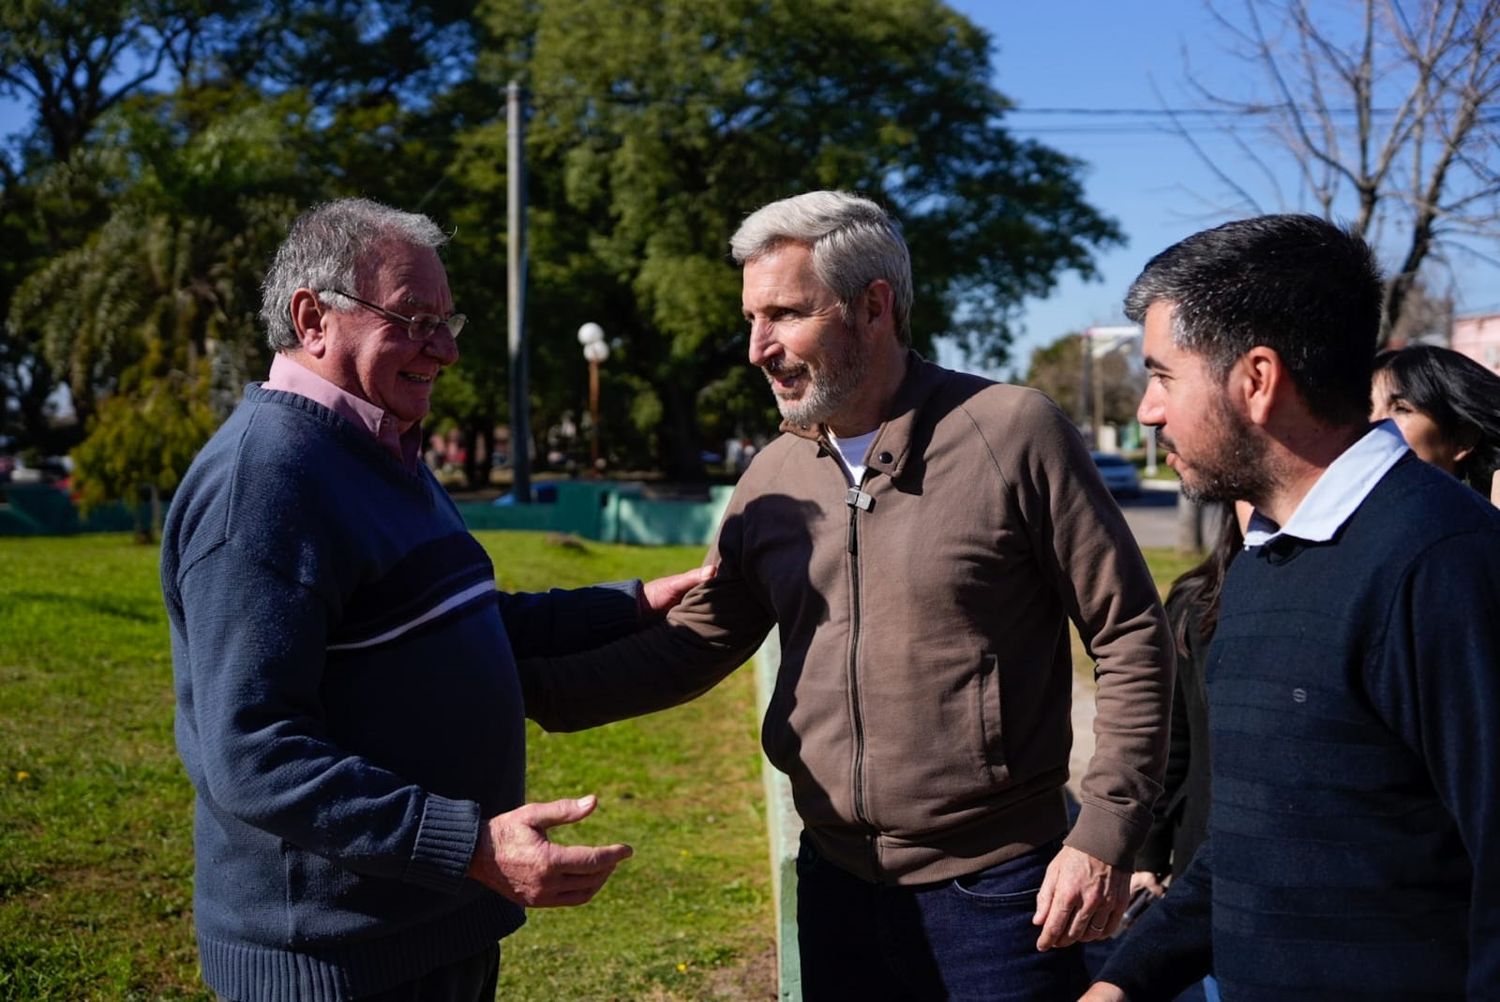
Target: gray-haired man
920 538
347 703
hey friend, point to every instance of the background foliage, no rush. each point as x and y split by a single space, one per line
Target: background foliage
172 140
1059 370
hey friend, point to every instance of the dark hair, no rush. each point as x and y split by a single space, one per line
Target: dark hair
1200 587
1297 284
1461 397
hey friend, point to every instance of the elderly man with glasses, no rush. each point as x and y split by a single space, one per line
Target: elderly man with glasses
348 708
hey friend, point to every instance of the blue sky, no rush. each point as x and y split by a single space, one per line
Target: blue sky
1108 54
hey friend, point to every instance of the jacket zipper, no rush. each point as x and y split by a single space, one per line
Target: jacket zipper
857 718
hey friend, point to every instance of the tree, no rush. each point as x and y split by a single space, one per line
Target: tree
73 60
141 442
660 125
1390 124
171 276
136 106
356 53
152 318
1426 316
1060 371
72 64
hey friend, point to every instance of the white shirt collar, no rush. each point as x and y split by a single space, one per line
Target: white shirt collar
1339 492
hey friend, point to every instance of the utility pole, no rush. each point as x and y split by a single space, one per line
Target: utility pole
515 289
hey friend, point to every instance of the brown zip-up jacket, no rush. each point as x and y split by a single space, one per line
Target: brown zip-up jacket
922 707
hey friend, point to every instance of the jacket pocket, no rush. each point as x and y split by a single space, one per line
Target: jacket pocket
775 728
992 741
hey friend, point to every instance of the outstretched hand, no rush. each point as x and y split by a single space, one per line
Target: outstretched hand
664 593
1081 900
515 858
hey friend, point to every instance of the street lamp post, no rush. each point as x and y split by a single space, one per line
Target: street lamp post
1098 342
591 336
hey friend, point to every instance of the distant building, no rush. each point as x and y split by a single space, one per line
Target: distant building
1479 338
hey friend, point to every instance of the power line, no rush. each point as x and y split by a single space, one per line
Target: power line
1257 109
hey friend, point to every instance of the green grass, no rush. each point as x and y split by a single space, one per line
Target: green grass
95 813
1167 564
95 848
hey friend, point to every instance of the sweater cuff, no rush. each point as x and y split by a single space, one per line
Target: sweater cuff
611 611
445 844
1106 836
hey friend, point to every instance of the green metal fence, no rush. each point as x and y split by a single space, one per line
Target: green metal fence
602 510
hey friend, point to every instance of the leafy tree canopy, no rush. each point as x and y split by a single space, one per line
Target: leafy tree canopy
660 125
1060 370
173 140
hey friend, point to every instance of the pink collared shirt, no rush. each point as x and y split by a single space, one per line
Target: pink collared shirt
289 377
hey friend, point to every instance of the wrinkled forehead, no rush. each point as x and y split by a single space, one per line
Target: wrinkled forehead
392 270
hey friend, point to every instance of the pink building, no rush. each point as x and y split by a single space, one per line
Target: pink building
1479 338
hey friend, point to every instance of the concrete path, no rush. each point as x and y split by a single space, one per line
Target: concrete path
1152 517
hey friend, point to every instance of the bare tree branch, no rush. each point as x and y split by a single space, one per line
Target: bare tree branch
1388 119
1180 131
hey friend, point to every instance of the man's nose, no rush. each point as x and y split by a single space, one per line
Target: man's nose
763 346
1150 411
443 346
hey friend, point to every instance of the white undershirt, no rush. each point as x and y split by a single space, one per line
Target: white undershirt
852 453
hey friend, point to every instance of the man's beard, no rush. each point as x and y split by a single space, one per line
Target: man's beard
1235 470
842 370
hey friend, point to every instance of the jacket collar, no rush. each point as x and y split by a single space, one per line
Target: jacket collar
893 440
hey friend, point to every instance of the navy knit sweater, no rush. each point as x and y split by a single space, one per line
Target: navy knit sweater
1354 848
347 704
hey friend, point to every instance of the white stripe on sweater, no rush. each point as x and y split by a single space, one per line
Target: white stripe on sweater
448 604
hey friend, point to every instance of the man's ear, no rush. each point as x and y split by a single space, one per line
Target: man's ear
307 322
1259 382
876 306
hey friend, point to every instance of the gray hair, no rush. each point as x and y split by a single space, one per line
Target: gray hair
328 248
853 241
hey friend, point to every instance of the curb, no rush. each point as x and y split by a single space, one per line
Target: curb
784 828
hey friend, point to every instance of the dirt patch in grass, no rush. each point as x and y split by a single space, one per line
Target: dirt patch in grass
752 978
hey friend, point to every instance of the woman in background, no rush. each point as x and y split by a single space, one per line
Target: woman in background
1181 816
1448 409
1180 819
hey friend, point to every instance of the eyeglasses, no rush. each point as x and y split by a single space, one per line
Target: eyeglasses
419 327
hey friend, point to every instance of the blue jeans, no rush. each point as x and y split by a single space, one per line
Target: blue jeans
964 939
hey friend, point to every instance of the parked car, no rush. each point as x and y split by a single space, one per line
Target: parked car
1118 474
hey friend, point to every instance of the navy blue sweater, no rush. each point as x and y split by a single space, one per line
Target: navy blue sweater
347 704
1354 686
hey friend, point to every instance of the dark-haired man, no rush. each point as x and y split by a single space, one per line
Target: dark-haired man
1354 679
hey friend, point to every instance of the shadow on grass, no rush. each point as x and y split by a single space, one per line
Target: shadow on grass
136 612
